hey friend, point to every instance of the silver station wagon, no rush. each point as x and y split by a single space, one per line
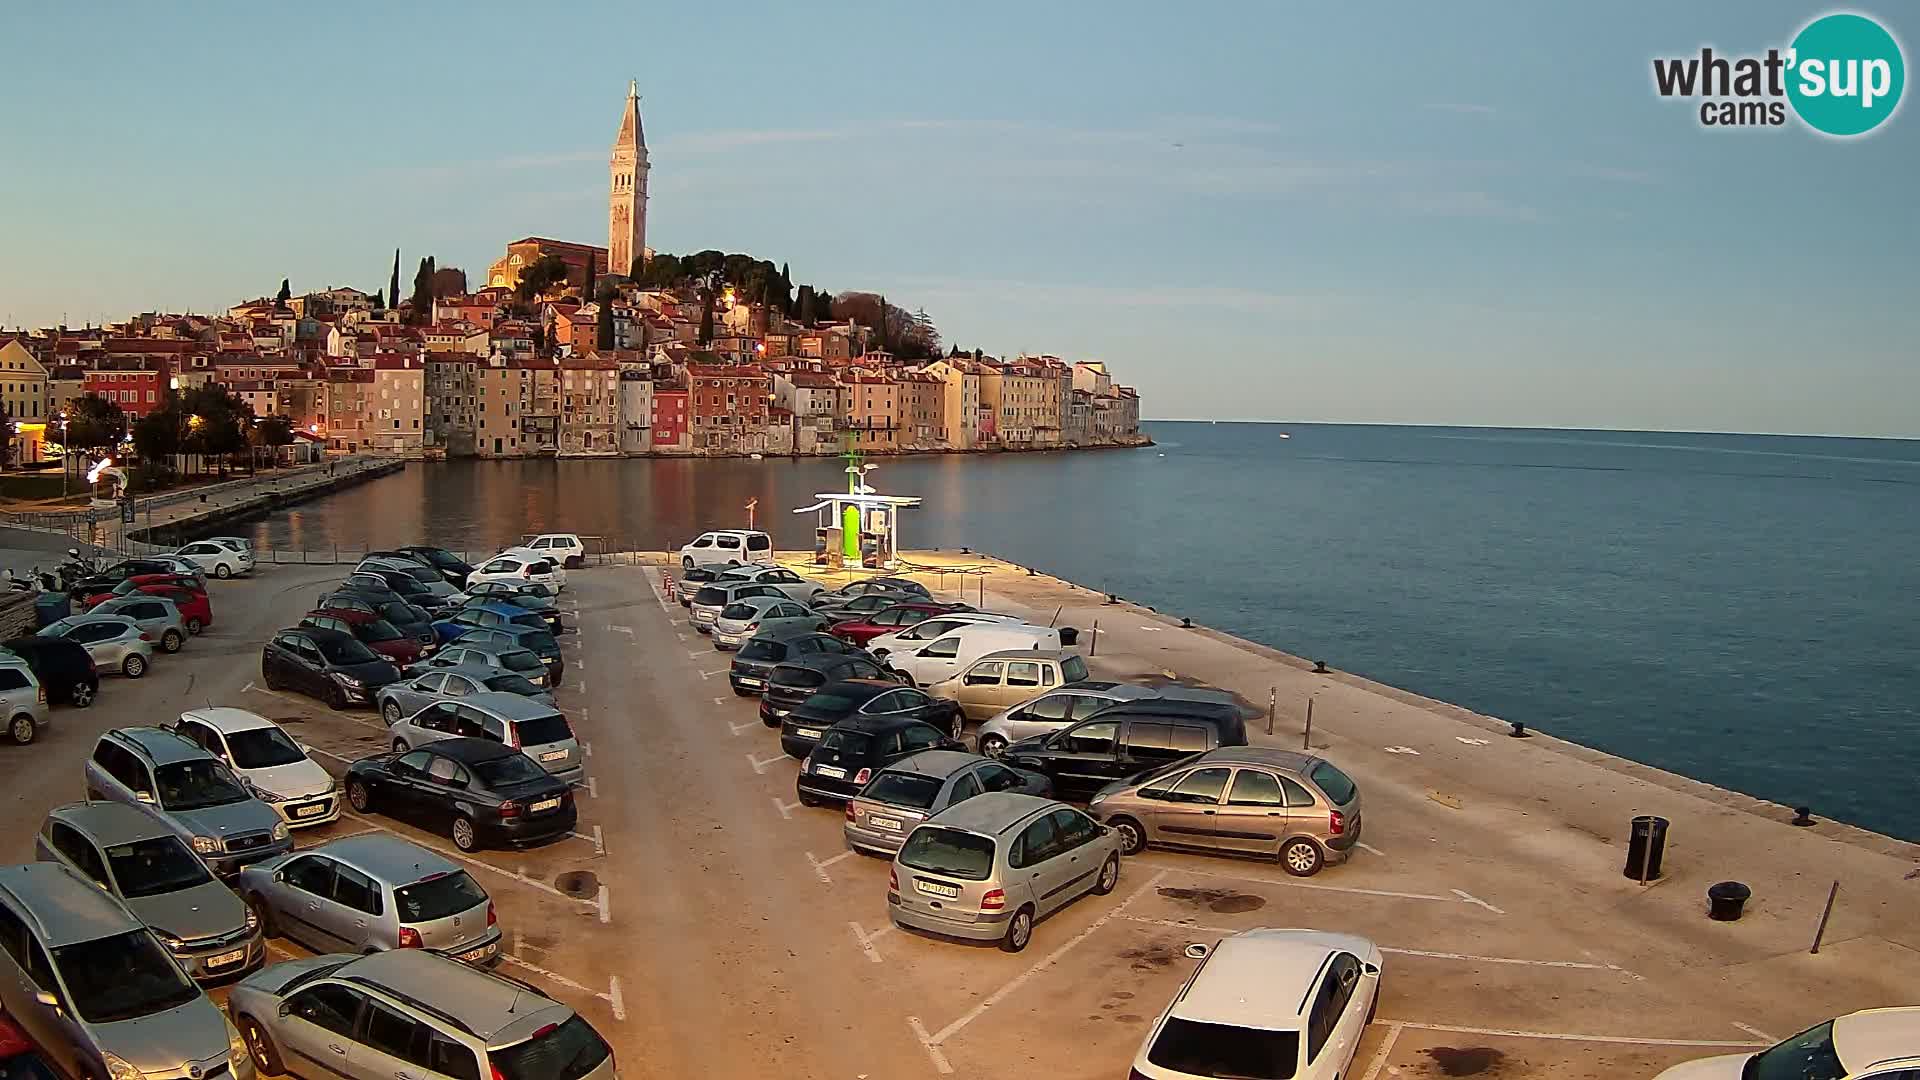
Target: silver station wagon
373 892
538 730
177 783
921 785
989 868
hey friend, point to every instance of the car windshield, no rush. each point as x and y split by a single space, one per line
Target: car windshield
520 660
196 785
540 641
426 575
344 650
1197 1049
438 897
1807 1056
542 730
854 744
151 867
1073 669
381 630
826 701
507 771
513 684
1338 786
903 789
121 977
263 748
400 611
567 1052
797 677
709 596
763 649
739 611
949 851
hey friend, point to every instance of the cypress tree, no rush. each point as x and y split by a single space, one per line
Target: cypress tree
393 283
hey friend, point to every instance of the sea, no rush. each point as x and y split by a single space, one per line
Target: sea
1735 608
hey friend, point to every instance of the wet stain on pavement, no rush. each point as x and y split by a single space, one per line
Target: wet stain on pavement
578 883
1150 957
1466 1061
1222 901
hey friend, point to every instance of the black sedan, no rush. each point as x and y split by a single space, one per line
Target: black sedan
841 608
477 791
451 566
854 749
63 667
801 729
105 580
326 664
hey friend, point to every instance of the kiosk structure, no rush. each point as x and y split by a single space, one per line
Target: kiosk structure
860 527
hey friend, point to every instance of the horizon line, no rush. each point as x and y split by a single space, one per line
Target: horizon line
1532 427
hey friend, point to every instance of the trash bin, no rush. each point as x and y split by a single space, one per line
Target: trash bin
1646 847
1727 900
51 607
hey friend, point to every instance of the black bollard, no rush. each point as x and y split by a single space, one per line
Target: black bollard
1803 816
1519 730
1319 667
1186 623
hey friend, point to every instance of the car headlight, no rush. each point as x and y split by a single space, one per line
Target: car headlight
236 1049
253 919
264 795
119 1068
280 830
206 845
169 940
347 680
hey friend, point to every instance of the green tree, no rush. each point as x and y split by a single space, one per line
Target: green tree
157 437
784 292
806 305
587 290
393 283
546 272
270 433
706 315
6 438
285 294
422 300
379 299
603 324
94 423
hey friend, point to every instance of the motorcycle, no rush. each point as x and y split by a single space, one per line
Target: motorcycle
77 568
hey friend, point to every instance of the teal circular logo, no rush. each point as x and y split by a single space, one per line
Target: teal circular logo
1846 76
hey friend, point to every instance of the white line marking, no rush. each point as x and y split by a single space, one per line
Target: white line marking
553 976
593 788
1310 885
748 726
694 655
1469 958
1150 629
627 630
1561 1036
682 637
582 665
786 808
719 701
920 1032
1402 750
329 754
820 865
711 674
604 903
762 766
1472 899
614 999
586 748
599 842
1364 846
866 940
1386 1048
1471 742
1756 1032
517 875
579 685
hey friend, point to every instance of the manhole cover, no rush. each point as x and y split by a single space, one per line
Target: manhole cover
578 883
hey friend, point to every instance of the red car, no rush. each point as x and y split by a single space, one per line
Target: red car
372 631
196 609
137 583
862 630
20 1058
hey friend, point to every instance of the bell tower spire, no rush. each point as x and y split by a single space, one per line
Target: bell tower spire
627 194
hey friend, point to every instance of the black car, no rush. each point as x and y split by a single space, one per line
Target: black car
802 728
451 566
64 668
1125 739
792 681
406 618
105 580
399 585
763 652
326 664
853 750
842 608
475 790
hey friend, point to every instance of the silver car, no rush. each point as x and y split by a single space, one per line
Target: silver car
408 696
990 867
298 1017
711 599
100 994
116 643
369 892
156 617
503 657
921 785
1054 710
752 615
538 730
178 784
23 701
796 587
209 930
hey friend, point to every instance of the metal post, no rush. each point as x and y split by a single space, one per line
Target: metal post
1821 930
1646 855
1306 736
1093 649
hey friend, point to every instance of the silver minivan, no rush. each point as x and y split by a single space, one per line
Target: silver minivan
988 868
536 729
23 701
371 892
178 783
712 599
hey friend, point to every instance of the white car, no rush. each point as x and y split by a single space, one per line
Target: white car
722 546
1878 1044
956 650
1267 1003
215 559
796 587
565 548
928 629
518 567
237 543
275 768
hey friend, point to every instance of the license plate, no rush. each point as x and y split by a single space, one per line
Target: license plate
807 732
934 888
830 772
554 755
887 823
226 959
544 804
747 680
484 952
308 811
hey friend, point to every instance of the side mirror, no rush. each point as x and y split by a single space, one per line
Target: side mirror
279 875
47 998
286 1008
1197 951
145 797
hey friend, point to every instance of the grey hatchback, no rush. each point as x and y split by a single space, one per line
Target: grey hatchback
373 892
179 784
536 729
921 785
423 688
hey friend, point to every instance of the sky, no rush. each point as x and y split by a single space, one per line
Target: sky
1394 213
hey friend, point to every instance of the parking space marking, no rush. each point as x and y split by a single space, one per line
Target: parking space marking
517 875
711 674
326 710
1364 846
866 940
1563 1036
1756 1033
748 726
603 903
762 766
679 635
786 808
820 865
1472 899
1352 889
1386 1048
329 754
586 748
614 999
599 842
593 788
611 996
694 654
1469 958
933 1051
719 701
627 630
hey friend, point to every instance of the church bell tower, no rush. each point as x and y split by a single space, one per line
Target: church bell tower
627 198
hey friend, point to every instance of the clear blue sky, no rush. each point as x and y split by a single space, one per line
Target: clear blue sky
1408 212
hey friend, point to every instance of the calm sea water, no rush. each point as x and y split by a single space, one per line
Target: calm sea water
1735 608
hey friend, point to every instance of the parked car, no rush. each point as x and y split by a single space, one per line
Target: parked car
135 584
452 567
237 543
157 618
217 559
506 659
190 792
714 598
418 572
842 609
23 701
275 768
801 729
20 1057
480 791
104 998
566 549
144 865
797 588
517 639
515 568
535 598
65 668
390 584
535 728
691 580
372 892
1873 1044
910 637
851 751
1239 800
793 681
1267 1003
415 692
325 664
487 615
115 643
952 653
1001 680
452 1019
746 617
767 649
1054 710
882 585
992 866
106 579
918 786
375 633
1113 744
890 620
194 605
406 618
723 546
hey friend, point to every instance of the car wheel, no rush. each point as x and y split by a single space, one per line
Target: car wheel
993 745
81 695
902 677
222 570
171 641
391 710
809 800
1133 838
21 729
1019 930
262 912
359 796
336 698
686 563
1300 857
260 1048
400 746
133 666
737 692
1109 876
464 836
193 627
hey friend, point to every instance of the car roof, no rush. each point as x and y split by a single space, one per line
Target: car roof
492 648
817 660
498 607
468 750
389 858
994 813
1865 1038
770 600
880 725
871 688
321 634
80 910
162 746
352 616
482 1002
789 632
97 616
1055 655
510 706
732 532
1293 760
109 823
935 763
227 720
1263 978
471 671
1105 688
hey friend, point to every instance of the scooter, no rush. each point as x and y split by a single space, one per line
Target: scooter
77 568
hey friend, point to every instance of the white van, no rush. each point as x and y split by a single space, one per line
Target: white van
912 637
950 653
723 546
